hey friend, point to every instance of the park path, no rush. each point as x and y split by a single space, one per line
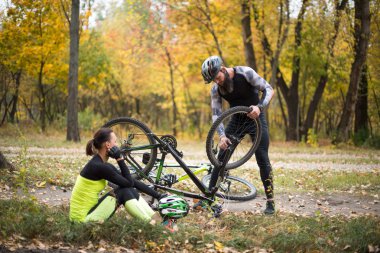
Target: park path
300 203
333 160
303 204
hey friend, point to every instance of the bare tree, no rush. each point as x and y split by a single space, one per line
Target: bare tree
172 90
361 35
249 51
201 13
324 77
72 100
361 109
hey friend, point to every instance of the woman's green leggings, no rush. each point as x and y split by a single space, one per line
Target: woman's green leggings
107 205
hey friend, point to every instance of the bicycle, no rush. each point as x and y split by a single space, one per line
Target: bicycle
243 132
140 138
230 187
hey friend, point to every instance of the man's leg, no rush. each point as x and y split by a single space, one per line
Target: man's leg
233 128
263 162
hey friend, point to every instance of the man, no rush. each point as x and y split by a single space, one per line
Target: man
239 86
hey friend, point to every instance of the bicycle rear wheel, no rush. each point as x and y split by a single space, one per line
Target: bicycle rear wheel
243 132
133 133
233 188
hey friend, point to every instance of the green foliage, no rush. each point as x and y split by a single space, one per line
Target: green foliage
124 69
312 138
89 120
373 141
360 137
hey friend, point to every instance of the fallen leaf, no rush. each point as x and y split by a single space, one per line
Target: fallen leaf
218 246
347 247
41 184
151 244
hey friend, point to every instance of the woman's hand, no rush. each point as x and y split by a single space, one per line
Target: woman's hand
115 153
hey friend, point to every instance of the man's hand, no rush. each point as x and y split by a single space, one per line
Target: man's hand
115 152
254 114
224 142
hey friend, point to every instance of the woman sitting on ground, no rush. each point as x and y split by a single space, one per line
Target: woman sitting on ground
85 204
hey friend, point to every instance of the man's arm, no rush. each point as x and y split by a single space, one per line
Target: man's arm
259 83
216 107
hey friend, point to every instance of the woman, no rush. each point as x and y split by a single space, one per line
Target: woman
84 203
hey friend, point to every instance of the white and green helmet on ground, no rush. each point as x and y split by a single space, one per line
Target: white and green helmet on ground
173 207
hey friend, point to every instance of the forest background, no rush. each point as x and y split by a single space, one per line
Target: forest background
142 59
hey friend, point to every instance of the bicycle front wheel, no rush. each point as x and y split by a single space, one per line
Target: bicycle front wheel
233 188
131 134
243 132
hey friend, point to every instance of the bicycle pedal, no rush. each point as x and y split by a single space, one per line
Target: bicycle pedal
146 158
217 210
169 179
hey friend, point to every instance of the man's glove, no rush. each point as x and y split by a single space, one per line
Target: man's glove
115 152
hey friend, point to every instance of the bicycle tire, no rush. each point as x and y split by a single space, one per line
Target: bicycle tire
255 136
146 139
251 194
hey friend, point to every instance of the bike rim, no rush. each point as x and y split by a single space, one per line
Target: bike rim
233 188
244 131
132 135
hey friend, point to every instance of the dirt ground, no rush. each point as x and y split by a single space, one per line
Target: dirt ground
300 203
303 204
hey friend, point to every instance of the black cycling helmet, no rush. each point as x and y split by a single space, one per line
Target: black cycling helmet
211 67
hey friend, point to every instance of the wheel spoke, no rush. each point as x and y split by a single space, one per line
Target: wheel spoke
132 134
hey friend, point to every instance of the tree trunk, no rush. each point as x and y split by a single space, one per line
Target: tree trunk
172 91
4 164
324 77
12 114
72 100
293 98
361 110
41 97
192 110
282 36
247 35
362 33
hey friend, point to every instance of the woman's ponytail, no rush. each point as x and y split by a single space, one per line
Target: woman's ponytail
90 147
101 136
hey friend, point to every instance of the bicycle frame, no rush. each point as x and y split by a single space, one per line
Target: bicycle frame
165 149
198 169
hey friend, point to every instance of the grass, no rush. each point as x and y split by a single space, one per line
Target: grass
242 231
63 172
285 180
30 135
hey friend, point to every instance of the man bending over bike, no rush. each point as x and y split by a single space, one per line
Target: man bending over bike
240 86
84 203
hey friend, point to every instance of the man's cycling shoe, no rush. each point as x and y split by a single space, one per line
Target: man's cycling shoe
270 208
